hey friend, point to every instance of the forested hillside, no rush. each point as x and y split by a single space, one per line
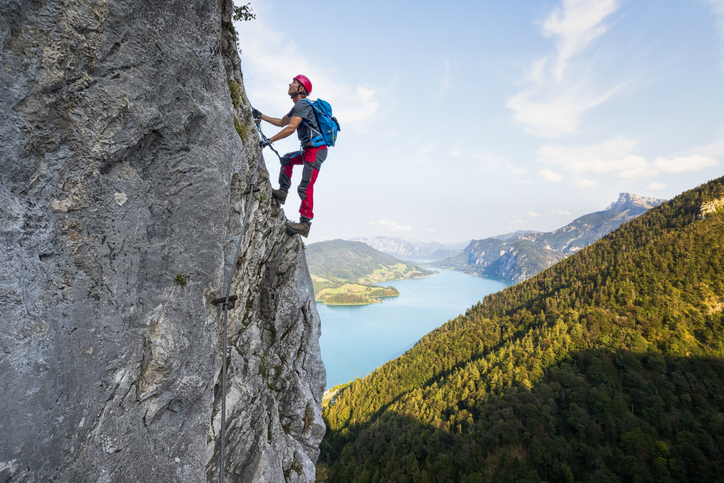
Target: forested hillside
606 367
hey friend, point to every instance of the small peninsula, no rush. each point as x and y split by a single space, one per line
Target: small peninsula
343 272
354 294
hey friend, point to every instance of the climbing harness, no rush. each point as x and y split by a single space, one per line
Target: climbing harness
229 302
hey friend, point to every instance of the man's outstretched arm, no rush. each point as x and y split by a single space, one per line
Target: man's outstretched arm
275 121
291 126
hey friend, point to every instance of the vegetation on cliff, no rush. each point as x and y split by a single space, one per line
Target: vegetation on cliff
606 367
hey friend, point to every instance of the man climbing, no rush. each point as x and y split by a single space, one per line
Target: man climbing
302 120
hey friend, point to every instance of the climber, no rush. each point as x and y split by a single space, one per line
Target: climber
302 120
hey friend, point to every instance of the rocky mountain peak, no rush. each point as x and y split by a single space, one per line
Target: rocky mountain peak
630 200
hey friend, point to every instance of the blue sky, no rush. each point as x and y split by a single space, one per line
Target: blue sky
467 119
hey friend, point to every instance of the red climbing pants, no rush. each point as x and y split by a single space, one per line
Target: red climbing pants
312 159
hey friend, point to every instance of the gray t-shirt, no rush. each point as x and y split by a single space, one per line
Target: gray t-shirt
303 109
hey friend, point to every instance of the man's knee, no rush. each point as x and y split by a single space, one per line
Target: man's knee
306 180
321 156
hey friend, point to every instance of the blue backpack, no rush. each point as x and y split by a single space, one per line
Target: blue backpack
328 124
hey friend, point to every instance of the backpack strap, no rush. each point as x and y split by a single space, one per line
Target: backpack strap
318 139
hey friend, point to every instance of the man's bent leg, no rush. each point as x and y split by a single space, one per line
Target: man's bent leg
288 161
285 175
313 159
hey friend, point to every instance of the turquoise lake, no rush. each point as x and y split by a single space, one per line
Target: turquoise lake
358 339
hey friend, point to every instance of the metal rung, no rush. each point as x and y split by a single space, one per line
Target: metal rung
222 300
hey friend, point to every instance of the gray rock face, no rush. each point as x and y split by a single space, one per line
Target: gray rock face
121 169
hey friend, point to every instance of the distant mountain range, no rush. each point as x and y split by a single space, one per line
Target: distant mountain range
411 249
508 236
521 255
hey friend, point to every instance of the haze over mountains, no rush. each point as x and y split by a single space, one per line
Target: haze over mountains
411 249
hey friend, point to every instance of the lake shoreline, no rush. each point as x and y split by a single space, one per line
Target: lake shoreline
357 339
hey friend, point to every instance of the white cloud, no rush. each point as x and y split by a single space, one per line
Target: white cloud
584 183
713 150
610 157
549 119
271 59
550 176
684 164
656 186
512 169
455 153
557 92
495 163
576 24
533 214
717 8
560 213
431 229
426 149
390 225
558 113
616 157
446 80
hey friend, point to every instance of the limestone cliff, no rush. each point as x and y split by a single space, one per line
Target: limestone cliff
126 144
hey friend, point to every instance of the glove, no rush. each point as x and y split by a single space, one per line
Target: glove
256 113
264 143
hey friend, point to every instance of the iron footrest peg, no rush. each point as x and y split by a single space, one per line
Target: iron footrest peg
222 300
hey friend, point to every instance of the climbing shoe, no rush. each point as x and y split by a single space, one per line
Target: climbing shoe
301 228
279 195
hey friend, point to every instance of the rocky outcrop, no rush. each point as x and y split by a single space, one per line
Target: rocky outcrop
126 145
514 260
522 261
630 201
711 208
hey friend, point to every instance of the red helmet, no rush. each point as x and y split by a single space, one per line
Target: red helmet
306 83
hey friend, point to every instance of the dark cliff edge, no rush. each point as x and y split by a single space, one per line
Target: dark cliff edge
126 144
